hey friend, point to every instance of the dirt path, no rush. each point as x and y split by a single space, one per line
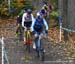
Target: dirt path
55 53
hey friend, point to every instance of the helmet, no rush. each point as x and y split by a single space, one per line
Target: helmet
29 11
39 15
43 11
45 7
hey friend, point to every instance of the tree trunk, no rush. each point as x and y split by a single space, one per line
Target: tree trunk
71 15
65 18
60 6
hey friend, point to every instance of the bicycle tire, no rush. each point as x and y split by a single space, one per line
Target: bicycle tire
37 51
28 46
40 52
42 55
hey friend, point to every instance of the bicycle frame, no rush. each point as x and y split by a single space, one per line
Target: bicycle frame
28 37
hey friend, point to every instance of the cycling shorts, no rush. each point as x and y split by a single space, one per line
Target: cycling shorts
28 24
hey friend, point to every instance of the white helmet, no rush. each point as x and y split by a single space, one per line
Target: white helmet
38 14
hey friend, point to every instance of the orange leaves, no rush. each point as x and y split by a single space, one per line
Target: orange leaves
53 34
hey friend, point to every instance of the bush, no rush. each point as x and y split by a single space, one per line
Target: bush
54 15
15 8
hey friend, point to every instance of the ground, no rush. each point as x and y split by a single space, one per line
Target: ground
56 52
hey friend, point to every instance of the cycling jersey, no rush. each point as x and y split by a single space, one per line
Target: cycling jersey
38 25
27 20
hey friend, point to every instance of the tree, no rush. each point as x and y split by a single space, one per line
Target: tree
68 14
63 11
65 18
71 15
60 7
15 7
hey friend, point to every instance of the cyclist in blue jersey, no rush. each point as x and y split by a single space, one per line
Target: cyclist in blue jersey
38 26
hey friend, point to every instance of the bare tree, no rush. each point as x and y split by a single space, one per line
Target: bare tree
71 15
65 18
63 11
60 7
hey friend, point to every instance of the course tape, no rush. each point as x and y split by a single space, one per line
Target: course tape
69 30
60 23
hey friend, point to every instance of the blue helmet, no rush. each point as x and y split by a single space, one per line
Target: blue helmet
43 11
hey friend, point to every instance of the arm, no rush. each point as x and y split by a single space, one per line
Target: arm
33 22
33 19
45 23
23 19
32 26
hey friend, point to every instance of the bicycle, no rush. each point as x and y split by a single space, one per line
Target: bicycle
39 48
19 32
28 37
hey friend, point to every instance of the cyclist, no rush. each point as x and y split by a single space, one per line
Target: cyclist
19 20
44 11
38 27
27 20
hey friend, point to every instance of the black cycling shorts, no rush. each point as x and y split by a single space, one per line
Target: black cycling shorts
28 24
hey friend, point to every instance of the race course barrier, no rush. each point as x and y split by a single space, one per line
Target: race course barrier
4 52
